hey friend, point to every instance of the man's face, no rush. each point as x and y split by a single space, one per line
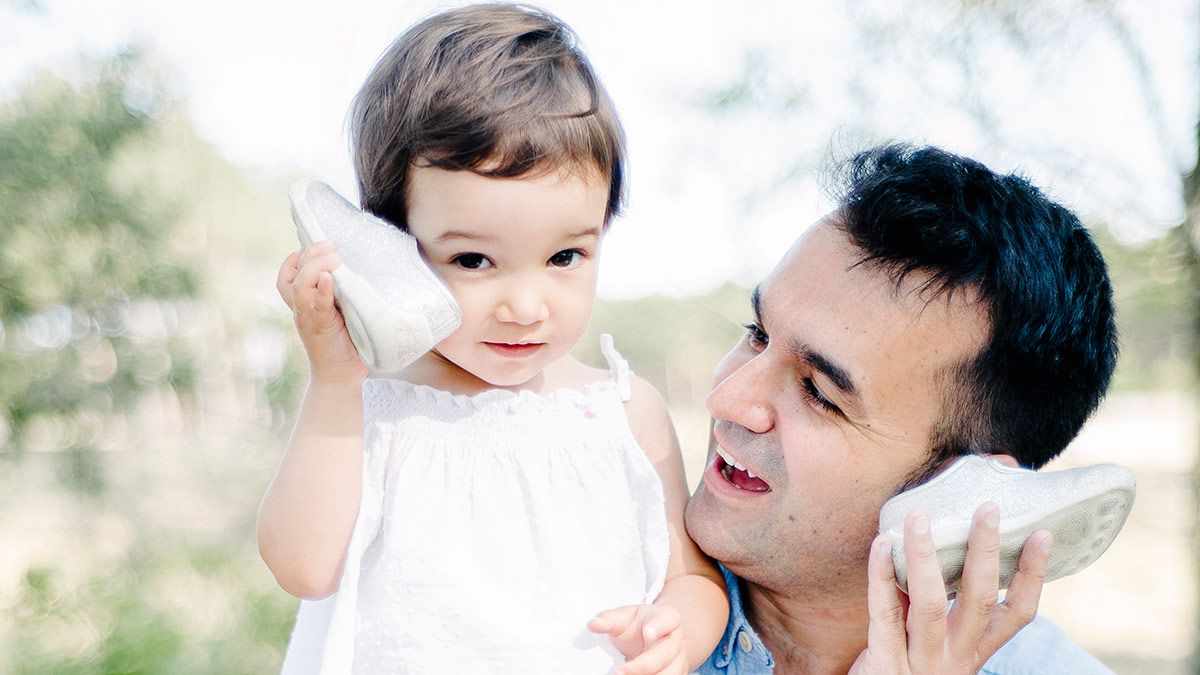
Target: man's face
827 405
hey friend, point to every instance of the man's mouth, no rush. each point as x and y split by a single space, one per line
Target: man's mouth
738 475
515 349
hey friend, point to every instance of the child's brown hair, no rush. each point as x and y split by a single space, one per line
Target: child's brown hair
496 89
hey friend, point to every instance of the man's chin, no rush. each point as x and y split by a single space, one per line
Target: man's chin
715 528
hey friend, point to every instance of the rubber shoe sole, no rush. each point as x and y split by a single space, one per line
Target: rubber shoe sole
395 307
1084 508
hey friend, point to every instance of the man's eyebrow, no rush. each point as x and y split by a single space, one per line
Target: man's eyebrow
800 351
836 374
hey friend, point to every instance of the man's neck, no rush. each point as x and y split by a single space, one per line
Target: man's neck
807 637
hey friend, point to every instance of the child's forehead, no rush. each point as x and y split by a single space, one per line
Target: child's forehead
439 182
449 205
505 165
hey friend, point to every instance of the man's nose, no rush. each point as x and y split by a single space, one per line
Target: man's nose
745 396
522 303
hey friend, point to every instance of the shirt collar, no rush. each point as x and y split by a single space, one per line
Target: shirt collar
738 633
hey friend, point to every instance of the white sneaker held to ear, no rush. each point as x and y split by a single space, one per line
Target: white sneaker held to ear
1084 508
395 307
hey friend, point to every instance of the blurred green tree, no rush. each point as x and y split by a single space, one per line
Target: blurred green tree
973 65
132 256
91 287
1157 283
977 66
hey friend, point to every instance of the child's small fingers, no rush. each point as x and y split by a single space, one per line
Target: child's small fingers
316 250
306 276
613 621
289 266
657 657
287 275
324 291
662 623
313 299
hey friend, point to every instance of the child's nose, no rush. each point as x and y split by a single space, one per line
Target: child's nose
522 305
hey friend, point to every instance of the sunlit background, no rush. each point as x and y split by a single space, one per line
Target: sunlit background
149 373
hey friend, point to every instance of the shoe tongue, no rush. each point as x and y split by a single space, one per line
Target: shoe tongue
744 481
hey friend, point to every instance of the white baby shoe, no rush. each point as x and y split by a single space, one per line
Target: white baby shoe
396 308
1083 508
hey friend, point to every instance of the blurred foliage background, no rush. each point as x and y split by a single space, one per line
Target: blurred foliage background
148 373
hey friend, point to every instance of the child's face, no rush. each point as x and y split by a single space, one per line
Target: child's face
520 256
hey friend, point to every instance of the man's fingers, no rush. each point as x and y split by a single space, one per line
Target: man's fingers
657 658
980 584
613 621
1025 588
926 622
885 609
1024 592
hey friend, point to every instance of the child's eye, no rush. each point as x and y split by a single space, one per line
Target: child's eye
567 258
471 261
757 336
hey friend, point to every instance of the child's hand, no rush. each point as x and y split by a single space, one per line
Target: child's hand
306 285
648 635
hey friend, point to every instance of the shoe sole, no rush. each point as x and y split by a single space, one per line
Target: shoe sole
382 333
1083 530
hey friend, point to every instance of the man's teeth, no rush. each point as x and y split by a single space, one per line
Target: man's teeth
733 462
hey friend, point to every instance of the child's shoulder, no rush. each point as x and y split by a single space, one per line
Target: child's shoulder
574 374
646 404
650 421
571 373
645 409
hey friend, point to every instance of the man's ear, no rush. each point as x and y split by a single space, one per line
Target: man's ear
1006 460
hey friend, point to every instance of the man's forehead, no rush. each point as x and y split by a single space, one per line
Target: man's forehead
823 295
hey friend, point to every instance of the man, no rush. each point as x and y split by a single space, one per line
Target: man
940 310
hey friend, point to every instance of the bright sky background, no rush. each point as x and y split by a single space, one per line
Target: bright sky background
269 84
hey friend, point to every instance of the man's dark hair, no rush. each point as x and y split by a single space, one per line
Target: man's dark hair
1053 341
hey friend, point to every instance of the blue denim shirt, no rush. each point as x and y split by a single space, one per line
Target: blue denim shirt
1040 647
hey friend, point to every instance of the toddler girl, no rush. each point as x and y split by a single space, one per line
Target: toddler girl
475 513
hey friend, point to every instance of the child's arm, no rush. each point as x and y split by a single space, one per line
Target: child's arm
308 513
679 631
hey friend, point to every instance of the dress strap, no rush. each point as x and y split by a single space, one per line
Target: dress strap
618 367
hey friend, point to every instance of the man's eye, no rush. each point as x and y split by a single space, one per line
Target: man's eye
813 395
471 261
566 258
756 335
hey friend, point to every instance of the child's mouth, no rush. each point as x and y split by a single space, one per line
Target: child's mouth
515 349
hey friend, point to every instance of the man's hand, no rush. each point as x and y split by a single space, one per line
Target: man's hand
914 633
648 635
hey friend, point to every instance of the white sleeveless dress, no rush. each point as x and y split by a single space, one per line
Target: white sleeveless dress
492 528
